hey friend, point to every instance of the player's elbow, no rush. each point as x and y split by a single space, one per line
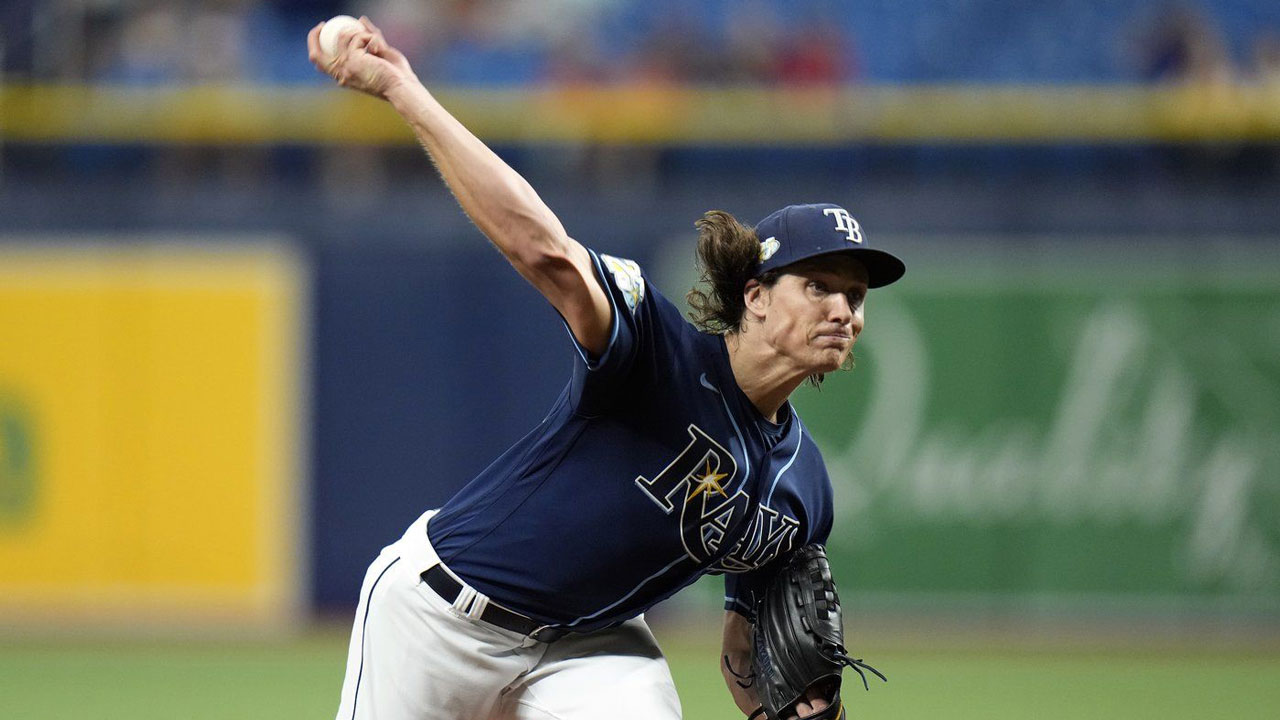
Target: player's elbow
530 232
542 251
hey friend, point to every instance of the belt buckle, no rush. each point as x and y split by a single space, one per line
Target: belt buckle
547 633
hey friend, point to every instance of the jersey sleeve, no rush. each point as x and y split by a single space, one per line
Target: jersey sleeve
742 590
644 330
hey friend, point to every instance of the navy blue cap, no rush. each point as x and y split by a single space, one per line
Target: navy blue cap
800 232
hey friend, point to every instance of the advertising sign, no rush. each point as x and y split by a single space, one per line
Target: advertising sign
149 431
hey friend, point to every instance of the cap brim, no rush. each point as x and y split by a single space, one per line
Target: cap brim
882 268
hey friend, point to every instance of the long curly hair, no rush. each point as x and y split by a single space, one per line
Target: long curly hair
728 254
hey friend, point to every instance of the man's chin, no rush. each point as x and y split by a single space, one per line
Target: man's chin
830 362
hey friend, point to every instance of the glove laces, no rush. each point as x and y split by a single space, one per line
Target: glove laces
858 666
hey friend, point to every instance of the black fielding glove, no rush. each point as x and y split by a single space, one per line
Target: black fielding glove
798 639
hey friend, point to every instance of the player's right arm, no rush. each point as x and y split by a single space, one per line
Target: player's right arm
496 198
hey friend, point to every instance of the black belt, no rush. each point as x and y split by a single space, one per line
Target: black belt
439 580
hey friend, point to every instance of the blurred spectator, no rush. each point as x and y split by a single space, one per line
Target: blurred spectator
576 60
487 46
1185 45
418 29
753 44
676 49
163 42
815 55
520 42
17 18
216 33
147 49
1266 59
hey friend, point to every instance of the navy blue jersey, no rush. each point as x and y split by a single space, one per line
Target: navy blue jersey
652 469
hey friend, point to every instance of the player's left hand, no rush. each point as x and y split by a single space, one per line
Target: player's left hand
365 60
812 704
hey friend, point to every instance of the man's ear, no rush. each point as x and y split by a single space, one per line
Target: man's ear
756 298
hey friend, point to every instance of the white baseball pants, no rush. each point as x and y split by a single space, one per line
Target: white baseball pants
415 656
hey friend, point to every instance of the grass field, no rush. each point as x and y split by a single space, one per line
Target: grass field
300 678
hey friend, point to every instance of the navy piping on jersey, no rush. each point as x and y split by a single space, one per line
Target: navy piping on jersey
364 625
634 590
799 441
746 473
613 317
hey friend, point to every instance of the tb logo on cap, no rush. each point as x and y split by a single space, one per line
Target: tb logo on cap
845 223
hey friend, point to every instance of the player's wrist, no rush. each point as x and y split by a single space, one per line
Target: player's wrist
404 92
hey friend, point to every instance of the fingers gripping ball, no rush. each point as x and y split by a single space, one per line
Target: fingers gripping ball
798 639
333 30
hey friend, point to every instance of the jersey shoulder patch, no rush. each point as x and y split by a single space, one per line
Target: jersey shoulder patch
626 275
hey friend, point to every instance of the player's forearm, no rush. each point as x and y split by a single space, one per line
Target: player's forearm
496 198
735 661
510 213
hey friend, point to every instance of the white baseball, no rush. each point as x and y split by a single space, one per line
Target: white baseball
333 30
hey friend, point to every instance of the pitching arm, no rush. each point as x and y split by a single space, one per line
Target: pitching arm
496 198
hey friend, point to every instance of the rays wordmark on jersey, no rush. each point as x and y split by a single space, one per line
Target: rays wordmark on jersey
769 534
698 482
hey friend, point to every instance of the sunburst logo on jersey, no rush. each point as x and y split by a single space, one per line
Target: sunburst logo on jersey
708 482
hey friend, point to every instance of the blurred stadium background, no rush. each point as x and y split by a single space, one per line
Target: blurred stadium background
246 336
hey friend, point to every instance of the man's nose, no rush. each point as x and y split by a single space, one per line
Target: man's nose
841 311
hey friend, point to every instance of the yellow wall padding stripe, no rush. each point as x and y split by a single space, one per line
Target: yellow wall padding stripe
653 114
